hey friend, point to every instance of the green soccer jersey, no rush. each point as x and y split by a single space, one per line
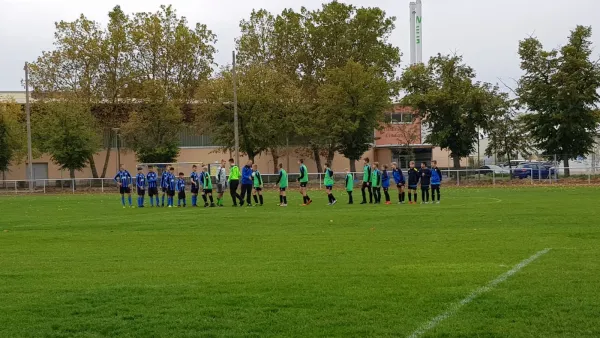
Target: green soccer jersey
234 173
207 181
349 182
257 179
283 178
367 173
376 179
328 179
304 173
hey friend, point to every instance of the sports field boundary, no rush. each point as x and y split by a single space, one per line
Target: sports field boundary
479 291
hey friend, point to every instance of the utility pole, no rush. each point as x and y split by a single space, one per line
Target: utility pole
235 114
116 130
28 112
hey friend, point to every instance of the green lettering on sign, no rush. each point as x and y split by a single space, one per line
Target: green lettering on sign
418 19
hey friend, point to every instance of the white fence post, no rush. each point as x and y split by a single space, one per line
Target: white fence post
16 187
44 186
102 184
73 185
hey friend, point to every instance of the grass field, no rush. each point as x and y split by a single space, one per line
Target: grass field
81 266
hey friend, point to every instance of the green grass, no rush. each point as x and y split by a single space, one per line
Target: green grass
81 266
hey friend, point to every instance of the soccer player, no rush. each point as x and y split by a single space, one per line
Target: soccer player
172 186
282 181
164 184
258 185
234 181
328 182
195 185
349 184
221 181
385 183
140 182
152 178
303 179
376 182
413 181
208 188
180 187
399 179
124 179
247 183
436 181
425 178
366 183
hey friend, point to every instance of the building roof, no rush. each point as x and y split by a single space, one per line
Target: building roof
18 96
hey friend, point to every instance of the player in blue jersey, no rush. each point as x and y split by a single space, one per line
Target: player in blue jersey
164 184
180 186
124 179
195 178
171 187
152 179
140 183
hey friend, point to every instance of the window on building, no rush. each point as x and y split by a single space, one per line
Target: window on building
401 118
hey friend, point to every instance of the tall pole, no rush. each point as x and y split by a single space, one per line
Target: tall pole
413 43
118 164
419 31
235 114
28 112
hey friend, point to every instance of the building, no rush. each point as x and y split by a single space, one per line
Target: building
400 140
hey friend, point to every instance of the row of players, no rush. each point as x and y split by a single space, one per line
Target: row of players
374 179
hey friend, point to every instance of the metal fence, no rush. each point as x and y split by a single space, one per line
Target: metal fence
469 177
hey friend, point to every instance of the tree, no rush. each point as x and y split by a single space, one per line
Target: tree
66 131
13 142
267 100
450 103
507 134
351 106
152 131
560 88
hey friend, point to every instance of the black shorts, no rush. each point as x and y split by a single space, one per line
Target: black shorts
424 187
400 185
258 188
435 186
195 190
165 190
207 191
141 192
329 187
303 184
282 189
181 195
171 193
366 184
412 187
152 191
124 190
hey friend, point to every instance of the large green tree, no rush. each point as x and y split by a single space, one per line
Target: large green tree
13 142
452 104
560 88
152 131
351 106
66 131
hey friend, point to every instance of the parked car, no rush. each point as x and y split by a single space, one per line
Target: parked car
492 169
533 169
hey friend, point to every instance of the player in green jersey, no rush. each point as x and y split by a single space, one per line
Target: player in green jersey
328 183
282 181
208 188
303 179
257 183
376 182
349 184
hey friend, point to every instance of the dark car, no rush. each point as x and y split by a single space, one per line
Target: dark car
534 170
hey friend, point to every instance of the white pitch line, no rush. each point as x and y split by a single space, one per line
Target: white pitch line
456 306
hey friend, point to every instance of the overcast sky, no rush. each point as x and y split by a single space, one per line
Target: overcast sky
485 32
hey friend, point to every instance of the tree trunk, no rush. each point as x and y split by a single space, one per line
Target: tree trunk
565 159
456 161
107 157
72 173
317 158
352 166
92 163
330 155
275 155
